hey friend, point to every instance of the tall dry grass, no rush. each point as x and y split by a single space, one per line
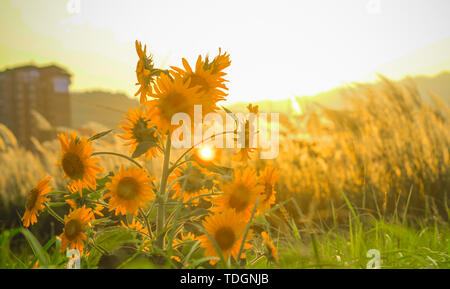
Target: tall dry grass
388 153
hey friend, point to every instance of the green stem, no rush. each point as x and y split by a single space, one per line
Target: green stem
246 230
53 213
147 224
162 190
119 155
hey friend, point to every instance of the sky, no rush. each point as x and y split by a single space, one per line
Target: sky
278 48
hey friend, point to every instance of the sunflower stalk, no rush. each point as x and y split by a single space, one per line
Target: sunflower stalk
250 223
147 224
160 198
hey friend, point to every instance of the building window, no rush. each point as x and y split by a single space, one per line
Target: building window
61 84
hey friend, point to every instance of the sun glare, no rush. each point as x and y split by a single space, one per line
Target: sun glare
207 153
295 105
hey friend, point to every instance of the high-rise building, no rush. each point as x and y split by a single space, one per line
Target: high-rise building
27 90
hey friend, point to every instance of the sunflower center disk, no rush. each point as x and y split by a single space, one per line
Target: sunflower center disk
72 229
174 102
194 181
73 165
197 80
32 198
239 200
127 188
142 132
225 238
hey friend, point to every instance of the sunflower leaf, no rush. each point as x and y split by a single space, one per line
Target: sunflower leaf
57 204
57 193
142 148
99 135
72 196
36 247
227 110
220 170
109 240
191 251
56 253
200 261
102 182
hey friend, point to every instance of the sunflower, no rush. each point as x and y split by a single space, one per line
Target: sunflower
77 163
196 181
267 179
271 250
145 72
240 194
129 190
139 129
76 224
227 230
177 242
97 210
35 201
172 96
71 202
219 63
175 258
74 204
134 226
243 154
138 227
208 77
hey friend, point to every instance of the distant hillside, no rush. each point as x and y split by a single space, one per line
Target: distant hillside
103 107
107 108
438 84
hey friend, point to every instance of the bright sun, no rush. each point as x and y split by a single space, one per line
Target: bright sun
206 153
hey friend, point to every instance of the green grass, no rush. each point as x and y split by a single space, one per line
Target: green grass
400 246
403 241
